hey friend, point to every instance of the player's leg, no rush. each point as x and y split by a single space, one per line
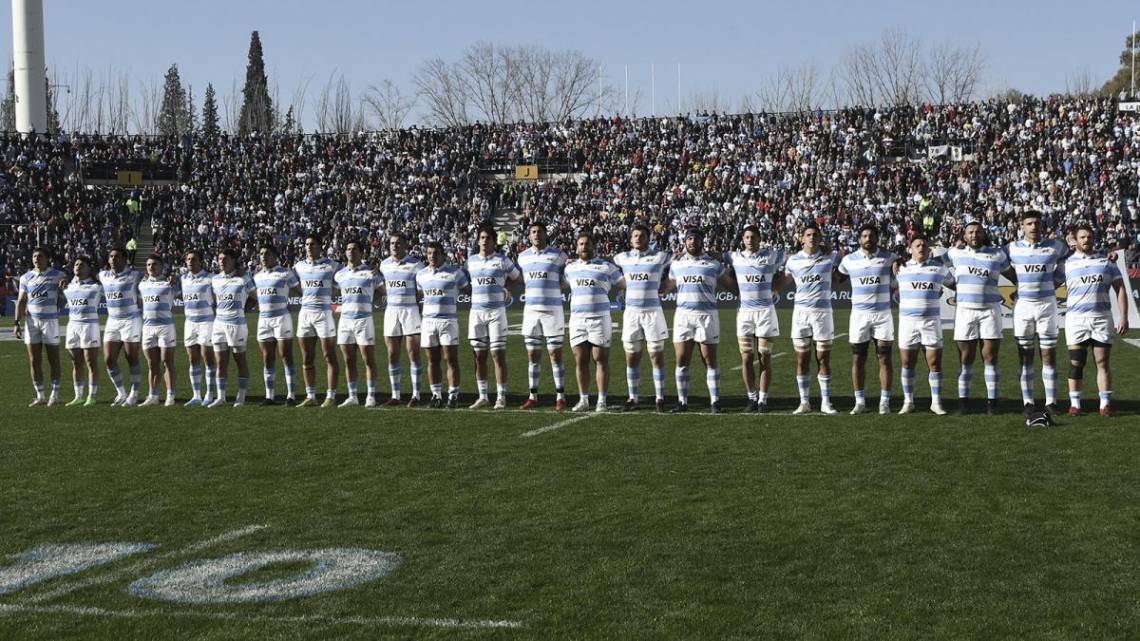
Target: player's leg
285 351
221 380
111 350
883 350
532 340
497 339
243 375
908 358
823 363
78 375
51 350
967 353
194 355
451 357
153 356
435 373
1047 335
268 349
309 367
167 353
990 350
332 363
348 351
1078 357
712 374
1101 352
415 364
934 378
859 373
91 356
132 350
601 358
481 354
802 344
764 379
392 345
369 352
582 374
555 332
748 368
684 353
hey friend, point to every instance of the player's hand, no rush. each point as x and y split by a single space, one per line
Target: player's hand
1122 326
18 330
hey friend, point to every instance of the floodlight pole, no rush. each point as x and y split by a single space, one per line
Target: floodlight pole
28 65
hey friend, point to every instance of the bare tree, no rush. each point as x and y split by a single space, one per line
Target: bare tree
1080 83
444 96
790 89
490 79
859 70
144 112
889 72
335 110
709 100
388 104
555 85
231 107
952 73
300 101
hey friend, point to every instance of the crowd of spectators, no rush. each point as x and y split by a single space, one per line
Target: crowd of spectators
1072 158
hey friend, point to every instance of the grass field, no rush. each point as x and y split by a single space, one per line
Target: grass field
615 526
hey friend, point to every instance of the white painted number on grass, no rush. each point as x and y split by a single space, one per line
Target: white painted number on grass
50 561
206 581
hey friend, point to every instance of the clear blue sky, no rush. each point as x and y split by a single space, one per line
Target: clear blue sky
729 46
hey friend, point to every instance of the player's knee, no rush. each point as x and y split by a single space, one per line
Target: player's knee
860 349
801 344
655 347
883 349
763 346
554 343
1077 360
631 347
823 347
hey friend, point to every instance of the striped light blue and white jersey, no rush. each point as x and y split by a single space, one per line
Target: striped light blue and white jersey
1089 279
121 291
977 273
489 279
542 273
273 287
400 281
357 291
231 291
870 279
1036 266
42 293
696 278
920 288
590 282
441 286
198 296
754 274
158 301
83 297
812 275
643 273
316 283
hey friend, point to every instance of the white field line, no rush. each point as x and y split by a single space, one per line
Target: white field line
1135 342
557 426
143 565
454 624
776 355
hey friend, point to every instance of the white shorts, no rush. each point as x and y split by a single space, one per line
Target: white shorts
972 324
82 335
644 325
1083 327
596 329
440 332
159 336
198 333
41 331
278 328
227 336
867 325
401 321
487 329
1036 319
702 327
356 331
816 324
123 330
757 323
914 332
541 325
319 323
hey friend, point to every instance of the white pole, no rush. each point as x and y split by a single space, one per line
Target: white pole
1132 93
679 89
29 65
652 89
626 91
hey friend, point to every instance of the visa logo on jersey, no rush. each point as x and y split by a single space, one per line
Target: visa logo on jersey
267 291
639 278
692 280
1094 279
397 284
585 282
1033 269
352 290
434 292
811 278
977 271
869 280
923 286
151 299
753 278
485 280
314 284
77 302
537 275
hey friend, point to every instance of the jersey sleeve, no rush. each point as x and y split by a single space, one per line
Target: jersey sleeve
843 266
461 278
720 268
616 275
24 284
512 270
294 281
1114 273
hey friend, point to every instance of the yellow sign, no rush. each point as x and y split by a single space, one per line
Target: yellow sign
129 178
526 172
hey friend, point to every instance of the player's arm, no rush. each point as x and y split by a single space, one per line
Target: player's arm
21 311
1122 303
839 273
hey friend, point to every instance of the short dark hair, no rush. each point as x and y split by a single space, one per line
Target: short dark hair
315 236
810 225
1084 227
750 228
270 247
43 250
354 241
86 260
230 253
584 234
914 238
193 252
537 223
398 234
869 227
485 227
434 244
116 248
638 227
1031 213
156 257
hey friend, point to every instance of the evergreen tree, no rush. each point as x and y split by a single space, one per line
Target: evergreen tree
1122 80
191 111
210 127
173 118
256 107
290 125
52 114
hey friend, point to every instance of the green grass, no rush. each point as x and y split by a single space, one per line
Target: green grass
616 527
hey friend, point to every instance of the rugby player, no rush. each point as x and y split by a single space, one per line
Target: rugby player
590 280
315 321
870 269
123 332
198 328
38 303
440 285
643 321
356 329
487 325
755 268
811 270
696 322
401 316
231 289
274 285
83 295
543 320
920 281
157 291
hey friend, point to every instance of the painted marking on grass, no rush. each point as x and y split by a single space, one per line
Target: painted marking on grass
557 426
145 564
453 624
1135 342
776 355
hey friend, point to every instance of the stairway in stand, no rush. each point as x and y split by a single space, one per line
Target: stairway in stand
145 240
